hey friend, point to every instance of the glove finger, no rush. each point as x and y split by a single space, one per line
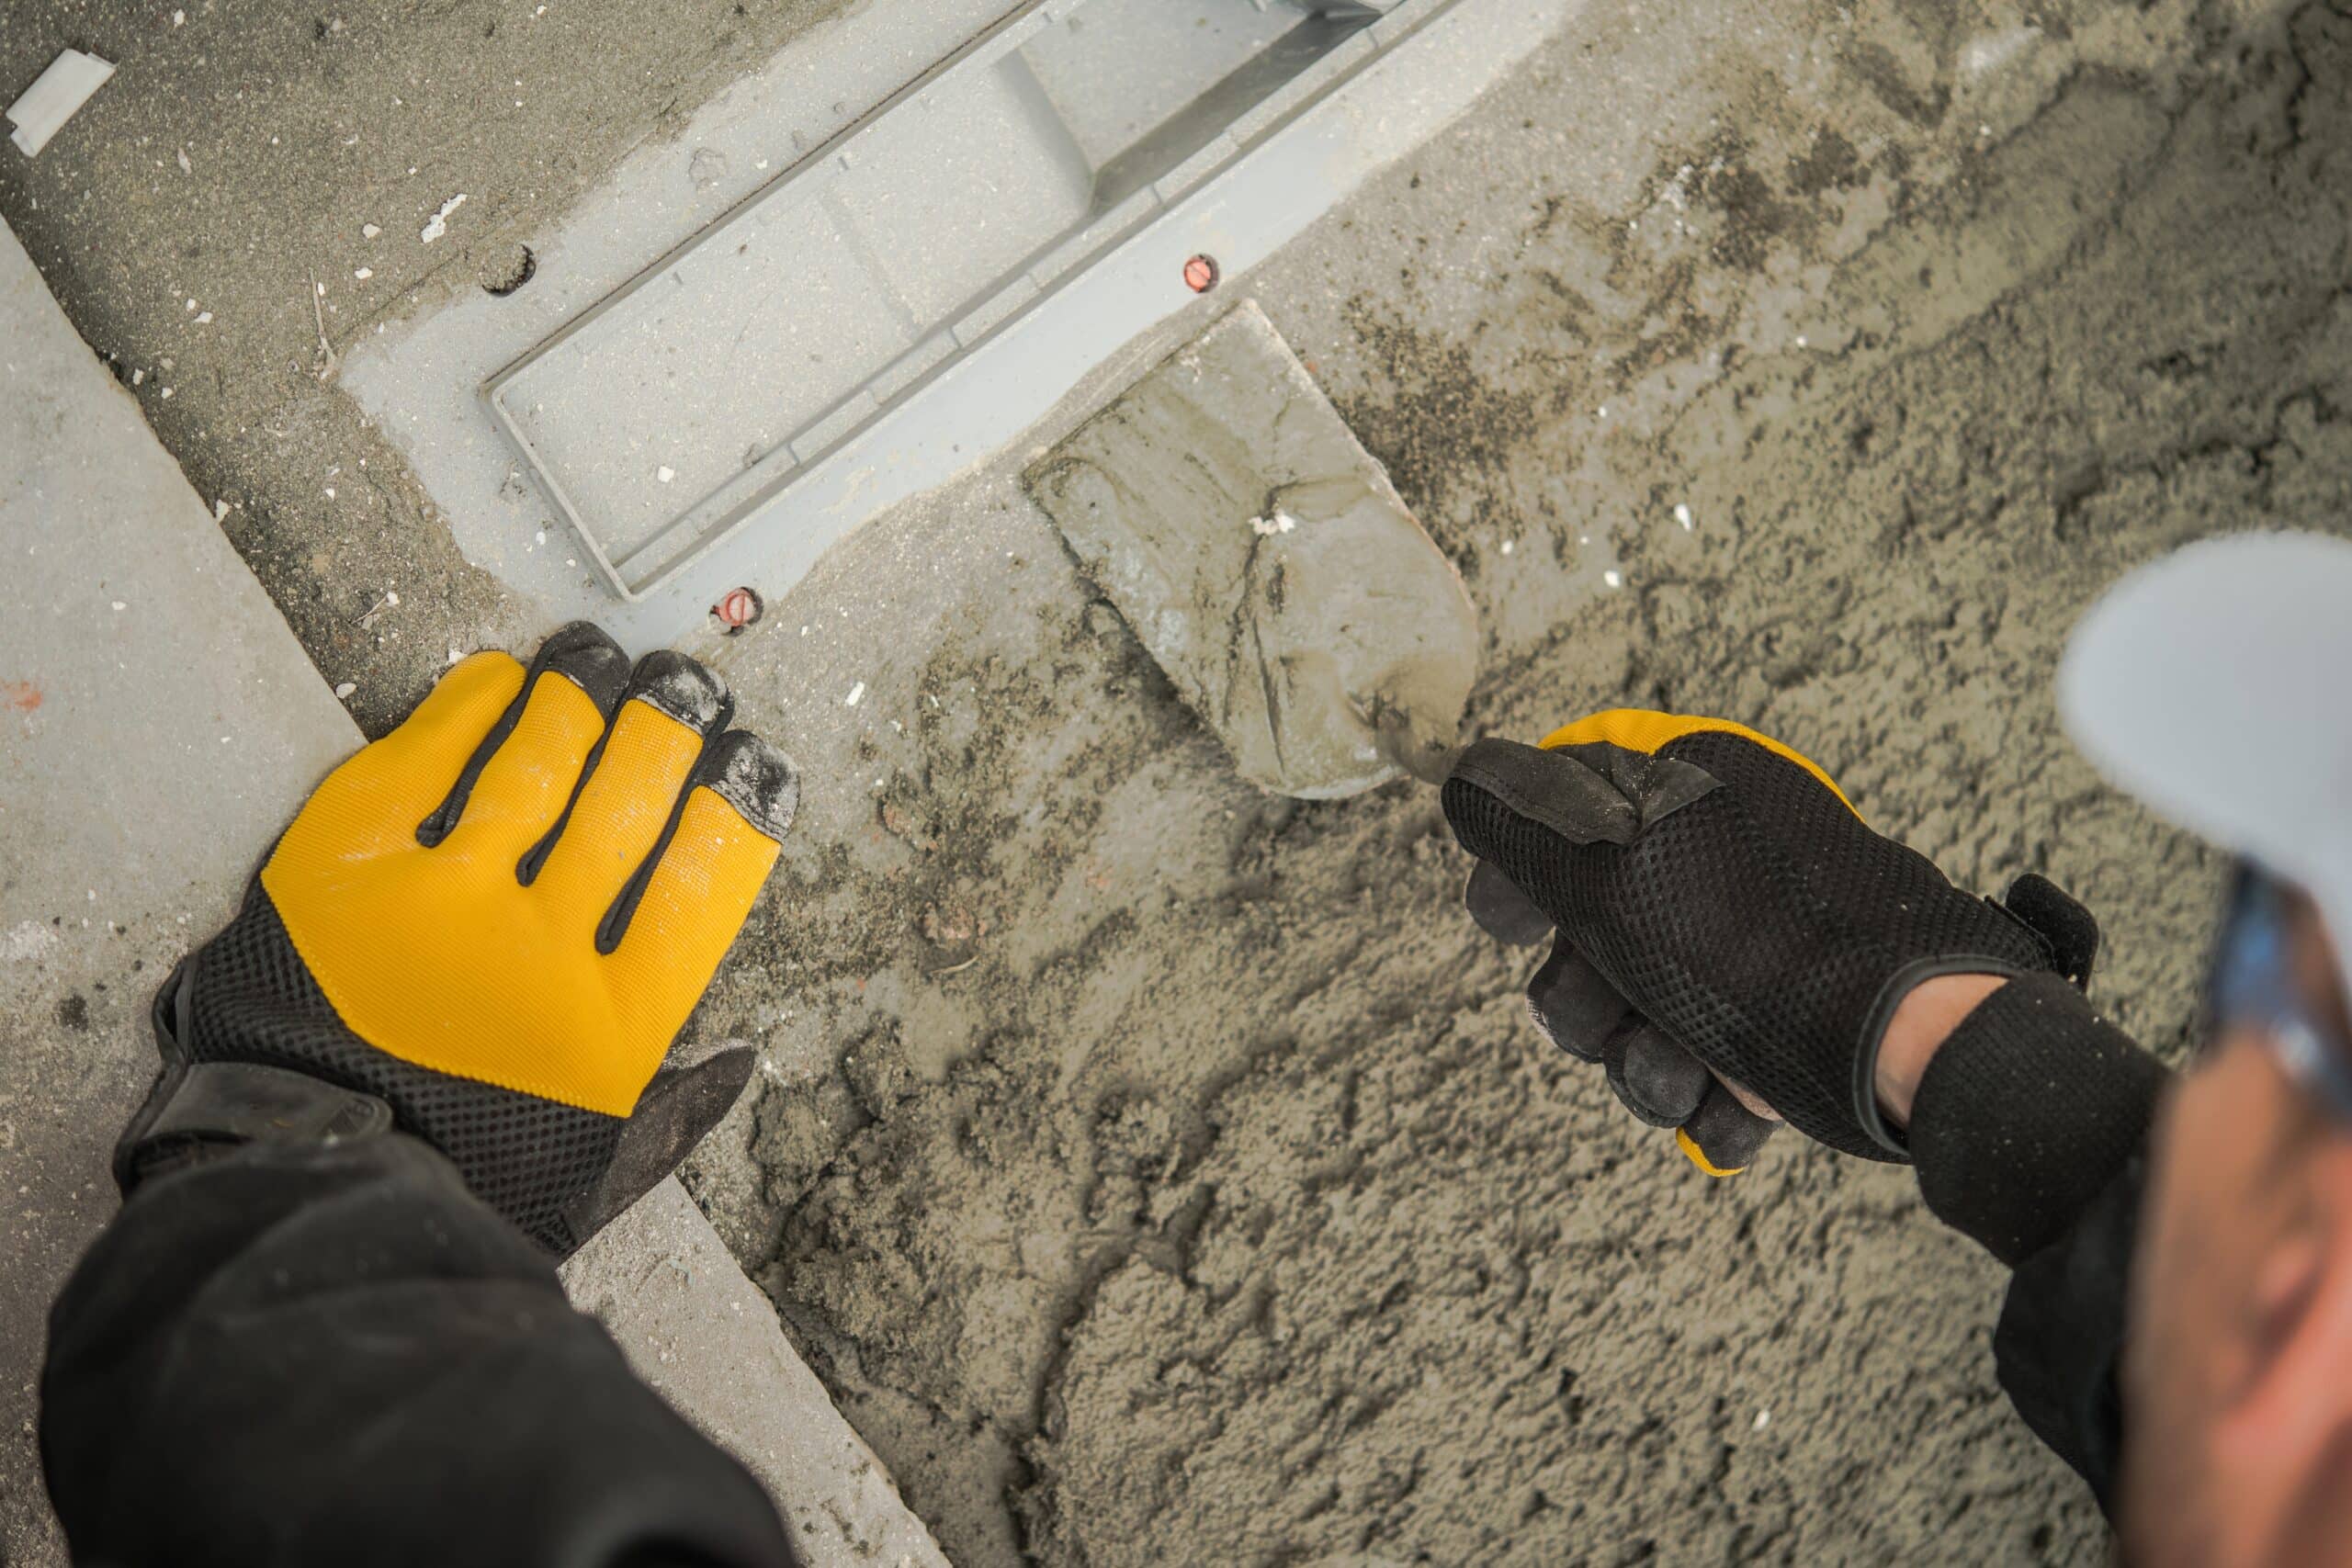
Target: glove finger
1497 784
376 800
1658 1080
634 786
1723 1137
1575 1007
1501 910
522 775
674 922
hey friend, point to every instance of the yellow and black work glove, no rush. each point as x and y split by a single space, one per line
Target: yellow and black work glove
486 929
1719 912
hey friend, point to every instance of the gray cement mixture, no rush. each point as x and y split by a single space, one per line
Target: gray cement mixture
1159 1171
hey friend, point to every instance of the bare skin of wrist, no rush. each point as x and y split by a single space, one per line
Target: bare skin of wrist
1923 1021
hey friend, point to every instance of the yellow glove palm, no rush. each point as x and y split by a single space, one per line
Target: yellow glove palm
444 955
486 929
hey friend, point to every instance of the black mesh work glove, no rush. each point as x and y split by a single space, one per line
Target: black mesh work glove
487 929
1722 913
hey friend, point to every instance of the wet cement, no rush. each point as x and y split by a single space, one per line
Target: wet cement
1161 1172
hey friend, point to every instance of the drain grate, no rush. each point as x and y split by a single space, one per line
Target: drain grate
686 401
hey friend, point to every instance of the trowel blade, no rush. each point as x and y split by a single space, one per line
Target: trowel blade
1265 561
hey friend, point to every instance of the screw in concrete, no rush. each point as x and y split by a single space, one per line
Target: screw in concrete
737 608
1201 274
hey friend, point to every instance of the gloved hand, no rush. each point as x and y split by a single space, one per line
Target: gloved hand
1722 913
486 929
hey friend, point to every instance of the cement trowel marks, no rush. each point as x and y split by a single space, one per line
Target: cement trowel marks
1268 564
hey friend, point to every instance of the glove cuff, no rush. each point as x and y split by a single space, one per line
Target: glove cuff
199 1109
2027 1112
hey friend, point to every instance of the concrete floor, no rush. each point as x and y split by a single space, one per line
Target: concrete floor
1220 1209
1226 1205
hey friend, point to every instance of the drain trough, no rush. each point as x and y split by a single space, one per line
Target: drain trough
672 411
801 352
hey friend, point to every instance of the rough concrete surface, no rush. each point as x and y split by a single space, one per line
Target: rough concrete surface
1223 1208
1264 559
1160 1172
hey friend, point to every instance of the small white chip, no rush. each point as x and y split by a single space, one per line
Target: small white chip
55 94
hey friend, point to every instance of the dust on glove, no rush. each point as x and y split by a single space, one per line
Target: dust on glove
492 924
1722 913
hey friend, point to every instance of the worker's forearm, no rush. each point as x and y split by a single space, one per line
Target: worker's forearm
2029 1121
336 1355
1923 1021
2026 1112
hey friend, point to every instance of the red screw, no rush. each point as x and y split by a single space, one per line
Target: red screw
738 608
1201 274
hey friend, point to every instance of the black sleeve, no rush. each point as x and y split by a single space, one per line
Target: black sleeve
300 1354
2030 1133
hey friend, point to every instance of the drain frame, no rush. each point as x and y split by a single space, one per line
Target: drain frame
722 511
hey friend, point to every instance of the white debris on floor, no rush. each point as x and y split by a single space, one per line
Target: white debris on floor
54 96
439 223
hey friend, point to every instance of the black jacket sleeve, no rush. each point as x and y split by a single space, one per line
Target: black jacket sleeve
299 1354
2029 1132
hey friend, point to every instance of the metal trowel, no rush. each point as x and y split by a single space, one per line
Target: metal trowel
1262 557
